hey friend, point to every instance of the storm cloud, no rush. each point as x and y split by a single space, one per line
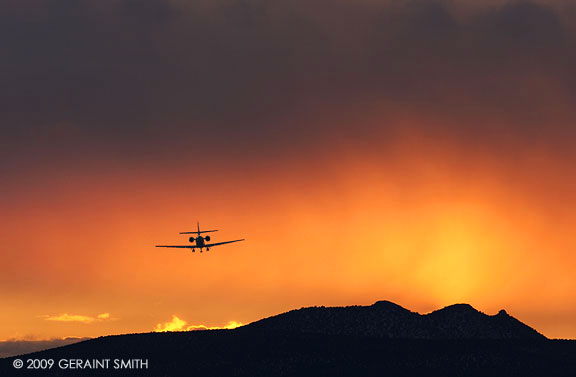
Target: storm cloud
144 76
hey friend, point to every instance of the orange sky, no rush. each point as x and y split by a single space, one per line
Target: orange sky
424 229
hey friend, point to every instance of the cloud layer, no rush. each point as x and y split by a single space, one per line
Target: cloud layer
134 79
19 347
65 317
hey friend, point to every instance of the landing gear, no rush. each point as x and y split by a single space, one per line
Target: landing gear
207 248
193 250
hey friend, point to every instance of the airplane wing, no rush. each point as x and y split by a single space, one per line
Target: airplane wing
198 247
221 243
181 247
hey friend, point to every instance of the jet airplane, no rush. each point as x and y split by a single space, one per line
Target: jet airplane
200 241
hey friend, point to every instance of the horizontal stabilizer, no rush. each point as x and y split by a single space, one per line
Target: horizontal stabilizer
202 231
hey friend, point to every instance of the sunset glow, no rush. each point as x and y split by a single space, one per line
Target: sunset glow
178 324
424 240
427 161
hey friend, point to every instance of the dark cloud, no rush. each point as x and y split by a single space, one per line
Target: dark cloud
20 347
136 77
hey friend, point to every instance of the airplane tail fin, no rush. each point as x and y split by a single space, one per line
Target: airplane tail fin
200 231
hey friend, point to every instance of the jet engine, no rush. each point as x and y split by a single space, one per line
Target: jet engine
207 238
191 239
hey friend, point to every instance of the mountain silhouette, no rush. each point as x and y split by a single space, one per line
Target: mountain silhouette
388 320
383 339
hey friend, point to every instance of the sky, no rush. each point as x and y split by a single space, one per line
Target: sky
420 152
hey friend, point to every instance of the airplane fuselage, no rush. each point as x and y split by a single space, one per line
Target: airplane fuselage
199 241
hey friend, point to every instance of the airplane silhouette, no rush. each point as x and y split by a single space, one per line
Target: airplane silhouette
200 241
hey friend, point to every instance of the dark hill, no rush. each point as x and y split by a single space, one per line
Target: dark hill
379 340
388 320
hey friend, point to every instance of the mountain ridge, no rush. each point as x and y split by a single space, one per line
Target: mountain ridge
389 320
348 341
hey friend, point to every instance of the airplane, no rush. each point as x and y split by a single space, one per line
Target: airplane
200 241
